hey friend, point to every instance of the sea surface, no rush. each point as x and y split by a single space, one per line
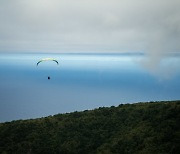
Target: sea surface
82 82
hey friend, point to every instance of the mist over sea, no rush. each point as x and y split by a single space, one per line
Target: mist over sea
80 82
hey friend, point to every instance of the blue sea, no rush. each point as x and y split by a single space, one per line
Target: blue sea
81 82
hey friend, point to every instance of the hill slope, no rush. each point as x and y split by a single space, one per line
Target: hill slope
131 128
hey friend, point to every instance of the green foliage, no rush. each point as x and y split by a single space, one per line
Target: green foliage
148 128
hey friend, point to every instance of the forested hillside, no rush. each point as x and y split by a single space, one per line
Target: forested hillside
147 128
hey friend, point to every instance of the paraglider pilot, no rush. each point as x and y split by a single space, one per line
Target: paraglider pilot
48 59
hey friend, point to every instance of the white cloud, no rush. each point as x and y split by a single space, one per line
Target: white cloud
147 26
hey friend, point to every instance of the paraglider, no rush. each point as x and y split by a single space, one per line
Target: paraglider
47 59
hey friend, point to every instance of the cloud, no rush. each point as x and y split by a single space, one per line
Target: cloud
90 26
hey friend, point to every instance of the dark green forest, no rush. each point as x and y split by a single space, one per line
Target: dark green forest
142 128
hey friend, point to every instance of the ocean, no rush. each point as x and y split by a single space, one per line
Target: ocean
82 82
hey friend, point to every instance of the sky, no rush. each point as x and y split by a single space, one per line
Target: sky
151 27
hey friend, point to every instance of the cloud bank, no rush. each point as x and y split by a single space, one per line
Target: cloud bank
152 27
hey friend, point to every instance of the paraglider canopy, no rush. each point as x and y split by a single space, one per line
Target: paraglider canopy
47 59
